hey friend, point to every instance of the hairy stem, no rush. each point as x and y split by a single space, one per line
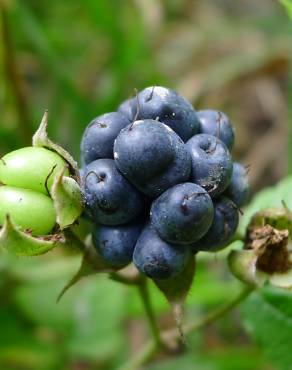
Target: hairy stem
152 348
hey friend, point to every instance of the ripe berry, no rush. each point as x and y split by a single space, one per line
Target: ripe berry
238 189
31 168
151 156
28 209
216 123
182 214
158 259
99 136
224 225
110 198
166 105
127 108
116 243
211 163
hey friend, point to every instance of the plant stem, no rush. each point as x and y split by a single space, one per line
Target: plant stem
213 315
144 294
152 347
14 78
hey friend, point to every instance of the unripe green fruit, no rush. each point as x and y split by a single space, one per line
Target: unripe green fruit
28 209
30 168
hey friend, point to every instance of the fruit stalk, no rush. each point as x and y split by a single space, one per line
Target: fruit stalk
212 316
151 348
144 294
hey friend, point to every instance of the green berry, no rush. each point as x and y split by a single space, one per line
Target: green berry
28 209
31 168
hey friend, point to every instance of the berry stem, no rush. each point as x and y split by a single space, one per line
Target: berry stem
212 316
144 294
151 348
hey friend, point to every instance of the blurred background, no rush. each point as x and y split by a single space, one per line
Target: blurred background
81 59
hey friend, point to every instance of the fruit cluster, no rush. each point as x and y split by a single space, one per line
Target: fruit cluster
159 182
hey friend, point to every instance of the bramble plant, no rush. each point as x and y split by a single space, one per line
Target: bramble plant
158 186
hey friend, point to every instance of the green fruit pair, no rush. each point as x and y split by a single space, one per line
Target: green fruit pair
27 176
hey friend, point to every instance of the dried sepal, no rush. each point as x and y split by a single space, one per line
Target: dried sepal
280 219
267 255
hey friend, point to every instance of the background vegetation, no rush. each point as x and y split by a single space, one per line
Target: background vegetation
80 59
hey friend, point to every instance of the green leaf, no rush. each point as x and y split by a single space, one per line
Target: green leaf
288 6
20 348
44 268
23 244
270 323
99 312
220 357
176 290
89 319
279 298
67 198
185 362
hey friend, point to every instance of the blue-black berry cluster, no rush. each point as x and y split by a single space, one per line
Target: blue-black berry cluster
159 182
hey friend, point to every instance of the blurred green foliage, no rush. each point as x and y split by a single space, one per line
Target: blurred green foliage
80 59
288 5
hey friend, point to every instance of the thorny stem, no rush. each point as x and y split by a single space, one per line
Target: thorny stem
151 348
